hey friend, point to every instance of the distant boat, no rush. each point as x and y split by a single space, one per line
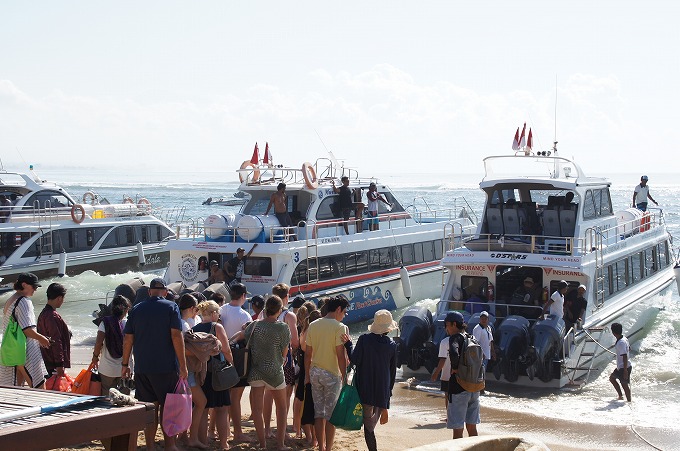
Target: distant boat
45 231
239 198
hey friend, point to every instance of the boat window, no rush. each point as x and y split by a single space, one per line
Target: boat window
635 266
48 198
407 254
439 249
428 251
380 258
258 266
663 254
650 262
619 276
325 211
10 241
589 206
605 203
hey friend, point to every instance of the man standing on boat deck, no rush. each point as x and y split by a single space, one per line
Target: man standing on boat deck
641 194
373 197
463 409
345 203
280 202
623 366
576 305
236 265
154 328
555 305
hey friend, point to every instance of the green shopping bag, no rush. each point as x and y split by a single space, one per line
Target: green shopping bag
13 348
348 413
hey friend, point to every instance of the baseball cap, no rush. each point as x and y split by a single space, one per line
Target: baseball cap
454 317
484 313
257 300
240 249
582 286
644 177
529 279
29 278
157 283
237 290
297 302
562 284
214 262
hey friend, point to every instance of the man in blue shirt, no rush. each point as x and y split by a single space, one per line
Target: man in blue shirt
154 328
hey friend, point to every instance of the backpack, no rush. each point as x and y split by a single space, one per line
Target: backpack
470 375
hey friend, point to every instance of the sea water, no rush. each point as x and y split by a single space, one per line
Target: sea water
656 358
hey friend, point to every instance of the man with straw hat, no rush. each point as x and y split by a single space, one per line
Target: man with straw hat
375 357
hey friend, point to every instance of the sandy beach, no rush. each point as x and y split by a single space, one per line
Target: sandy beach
417 418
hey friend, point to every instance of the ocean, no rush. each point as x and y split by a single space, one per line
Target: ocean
656 358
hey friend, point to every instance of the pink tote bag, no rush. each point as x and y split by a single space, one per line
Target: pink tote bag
177 409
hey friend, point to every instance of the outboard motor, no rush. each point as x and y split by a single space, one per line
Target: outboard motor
129 288
512 346
415 330
546 337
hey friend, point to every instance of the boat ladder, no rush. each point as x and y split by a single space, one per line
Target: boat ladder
313 256
590 352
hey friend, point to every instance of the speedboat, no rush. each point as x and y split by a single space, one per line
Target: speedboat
45 231
545 222
239 198
386 268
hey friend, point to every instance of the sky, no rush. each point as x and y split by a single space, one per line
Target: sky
387 86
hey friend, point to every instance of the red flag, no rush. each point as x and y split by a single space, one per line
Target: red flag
515 142
256 156
530 140
522 141
267 158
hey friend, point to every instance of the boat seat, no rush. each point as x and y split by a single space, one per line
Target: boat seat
511 221
567 222
494 221
551 223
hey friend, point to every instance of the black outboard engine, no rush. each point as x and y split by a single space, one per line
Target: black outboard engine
512 346
546 337
415 330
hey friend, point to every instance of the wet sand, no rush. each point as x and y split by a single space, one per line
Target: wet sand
417 417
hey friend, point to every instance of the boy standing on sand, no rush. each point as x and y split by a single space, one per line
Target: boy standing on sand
623 366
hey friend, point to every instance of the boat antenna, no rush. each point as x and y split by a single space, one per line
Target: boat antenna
334 161
554 149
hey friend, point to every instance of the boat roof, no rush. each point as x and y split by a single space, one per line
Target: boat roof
30 182
521 168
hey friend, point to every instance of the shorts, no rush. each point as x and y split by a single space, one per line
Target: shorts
154 387
325 392
618 374
284 219
463 409
346 212
373 215
266 385
642 206
191 379
444 386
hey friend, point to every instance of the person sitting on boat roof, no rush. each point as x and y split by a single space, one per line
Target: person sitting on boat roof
235 266
279 200
555 304
526 299
217 274
641 194
345 203
373 197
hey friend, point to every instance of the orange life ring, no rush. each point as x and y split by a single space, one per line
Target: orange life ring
89 195
644 223
143 202
78 213
128 200
256 172
309 174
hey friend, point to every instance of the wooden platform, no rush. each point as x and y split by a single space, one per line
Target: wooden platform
79 423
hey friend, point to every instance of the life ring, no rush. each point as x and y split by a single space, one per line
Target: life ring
309 174
128 200
143 202
89 195
78 213
644 222
256 172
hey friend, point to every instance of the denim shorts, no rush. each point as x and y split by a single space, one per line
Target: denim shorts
191 379
463 409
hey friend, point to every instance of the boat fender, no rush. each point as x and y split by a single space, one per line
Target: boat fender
89 197
256 172
78 213
405 282
140 254
309 174
62 264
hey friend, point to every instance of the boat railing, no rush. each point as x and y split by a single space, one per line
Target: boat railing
454 235
192 228
459 209
498 308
